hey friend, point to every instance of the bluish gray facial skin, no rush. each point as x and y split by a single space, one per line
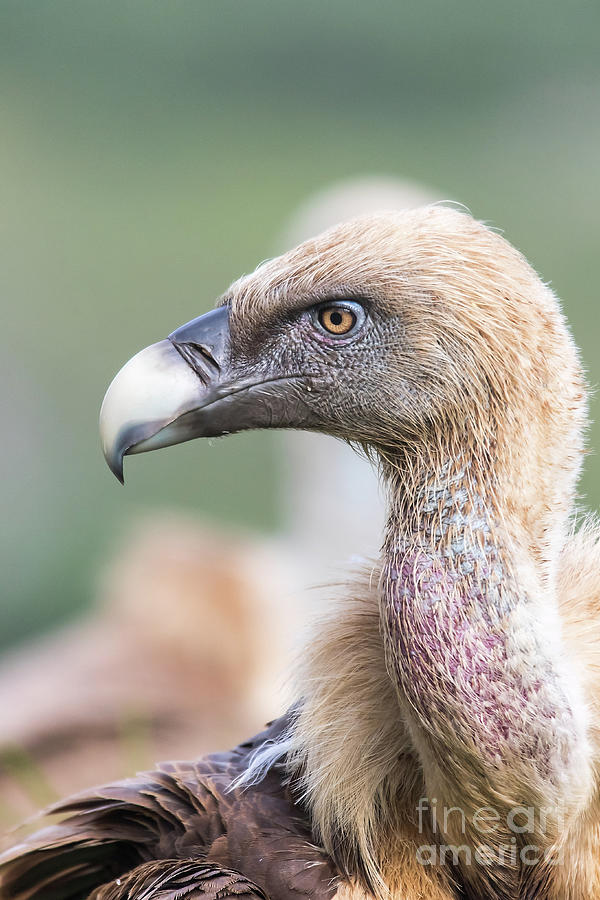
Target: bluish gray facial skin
187 387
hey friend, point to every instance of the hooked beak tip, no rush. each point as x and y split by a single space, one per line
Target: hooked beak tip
114 461
117 469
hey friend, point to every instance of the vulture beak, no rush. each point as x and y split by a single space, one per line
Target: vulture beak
186 387
176 390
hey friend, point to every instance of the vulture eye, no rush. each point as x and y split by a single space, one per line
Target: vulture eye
340 318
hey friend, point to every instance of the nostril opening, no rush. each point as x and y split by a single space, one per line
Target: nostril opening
199 358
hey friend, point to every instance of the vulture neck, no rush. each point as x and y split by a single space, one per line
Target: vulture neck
469 615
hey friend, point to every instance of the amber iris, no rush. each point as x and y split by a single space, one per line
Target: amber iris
337 319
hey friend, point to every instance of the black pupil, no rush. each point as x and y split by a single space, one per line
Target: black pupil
336 318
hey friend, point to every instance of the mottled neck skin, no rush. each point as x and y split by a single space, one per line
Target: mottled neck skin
473 643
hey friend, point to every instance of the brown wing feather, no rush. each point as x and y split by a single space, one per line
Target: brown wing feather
174 879
181 811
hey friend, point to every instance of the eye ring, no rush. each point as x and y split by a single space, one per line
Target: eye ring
339 318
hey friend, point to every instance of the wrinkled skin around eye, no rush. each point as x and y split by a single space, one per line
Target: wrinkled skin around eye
346 382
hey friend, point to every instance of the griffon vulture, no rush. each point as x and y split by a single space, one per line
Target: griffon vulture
444 743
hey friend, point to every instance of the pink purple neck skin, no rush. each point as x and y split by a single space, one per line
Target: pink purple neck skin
468 651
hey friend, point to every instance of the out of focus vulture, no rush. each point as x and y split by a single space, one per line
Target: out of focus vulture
444 740
173 659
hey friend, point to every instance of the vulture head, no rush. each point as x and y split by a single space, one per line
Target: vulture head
421 335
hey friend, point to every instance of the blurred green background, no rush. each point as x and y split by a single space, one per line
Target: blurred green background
151 151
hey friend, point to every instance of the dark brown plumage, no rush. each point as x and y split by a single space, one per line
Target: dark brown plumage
170 879
182 811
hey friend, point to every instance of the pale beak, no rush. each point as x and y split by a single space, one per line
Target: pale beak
151 402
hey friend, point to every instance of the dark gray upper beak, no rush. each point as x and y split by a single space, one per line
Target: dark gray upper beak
206 336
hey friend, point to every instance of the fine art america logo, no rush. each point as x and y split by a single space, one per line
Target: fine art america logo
523 829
